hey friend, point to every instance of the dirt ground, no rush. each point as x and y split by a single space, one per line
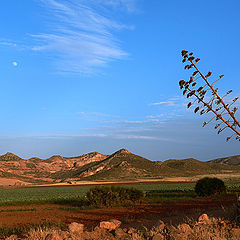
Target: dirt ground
146 214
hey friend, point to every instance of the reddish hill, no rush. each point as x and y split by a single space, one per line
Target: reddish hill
95 166
36 169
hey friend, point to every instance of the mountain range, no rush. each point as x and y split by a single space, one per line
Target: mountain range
121 165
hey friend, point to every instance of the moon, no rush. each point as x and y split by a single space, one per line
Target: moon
15 64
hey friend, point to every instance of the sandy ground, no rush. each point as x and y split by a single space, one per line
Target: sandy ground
223 176
5 182
12 181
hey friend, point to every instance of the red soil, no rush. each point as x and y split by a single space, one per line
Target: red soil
144 214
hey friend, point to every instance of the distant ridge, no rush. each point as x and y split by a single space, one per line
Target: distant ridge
9 157
120 165
232 160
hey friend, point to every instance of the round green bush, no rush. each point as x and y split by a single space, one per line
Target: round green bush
110 196
209 186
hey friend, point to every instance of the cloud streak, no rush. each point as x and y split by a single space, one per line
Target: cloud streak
80 35
167 103
97 135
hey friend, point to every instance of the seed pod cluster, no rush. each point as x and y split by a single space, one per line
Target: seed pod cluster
198 87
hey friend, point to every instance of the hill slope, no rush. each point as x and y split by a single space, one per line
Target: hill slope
120 165
36 169
125 165
232 160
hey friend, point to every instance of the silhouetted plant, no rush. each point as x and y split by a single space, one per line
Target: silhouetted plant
209 186
223 112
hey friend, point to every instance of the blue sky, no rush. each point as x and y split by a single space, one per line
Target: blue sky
100 75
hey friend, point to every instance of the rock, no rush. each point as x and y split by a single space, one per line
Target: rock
97 234
76 228
185 228
204 219
120 234
110 225
159 226
158 236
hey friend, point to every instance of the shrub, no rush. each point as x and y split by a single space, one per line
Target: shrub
110 196
209 186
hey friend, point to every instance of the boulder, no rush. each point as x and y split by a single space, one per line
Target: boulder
110 225
121 234
76 228
204 219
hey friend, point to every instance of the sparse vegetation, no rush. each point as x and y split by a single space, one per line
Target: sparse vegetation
204 228
23 230
111 196
209 186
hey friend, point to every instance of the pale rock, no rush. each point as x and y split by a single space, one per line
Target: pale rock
110 225
121 234
76 228
204 219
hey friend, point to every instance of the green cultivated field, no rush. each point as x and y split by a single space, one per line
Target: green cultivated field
57 194
40 195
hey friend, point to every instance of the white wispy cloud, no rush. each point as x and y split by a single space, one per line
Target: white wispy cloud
9 43
68 135
156 116
97 135
167 103
130 122
129 5
80 36
96 116
140 137
173 101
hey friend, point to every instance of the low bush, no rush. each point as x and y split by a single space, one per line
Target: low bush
110 196
209 186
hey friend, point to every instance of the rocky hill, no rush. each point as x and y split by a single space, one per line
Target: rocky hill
118 166
125 165
38 170
232 161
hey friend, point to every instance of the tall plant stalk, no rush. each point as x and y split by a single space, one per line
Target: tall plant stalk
224 113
